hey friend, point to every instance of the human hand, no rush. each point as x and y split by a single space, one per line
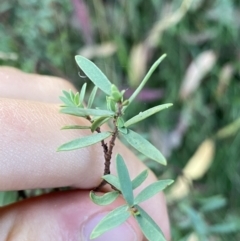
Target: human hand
30 133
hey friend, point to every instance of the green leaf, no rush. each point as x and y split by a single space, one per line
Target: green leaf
144 146
76 99
148 226
224 228
98 122
115 93
71 95
123 130
111 104
69 98
112 220
143 115
152 190
76 111
197 220
94 74
113 180
92 97
120 122
137 181
75 127
213 203
125 181
144 81
67 94
66 101
105 199
125 102
82 93
85 141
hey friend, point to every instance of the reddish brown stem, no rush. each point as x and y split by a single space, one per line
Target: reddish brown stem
108 150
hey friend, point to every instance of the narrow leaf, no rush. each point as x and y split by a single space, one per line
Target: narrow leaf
85 141
92 97
120 122
105 199
98 122
82 93
111 104
77 99
71 95
224 228
144 146
152 190
66 101
112 220
76 111
123 130
75 127
124 179
148 226
113 180
67 94
137 181
94 74
213 203
144 81
143 115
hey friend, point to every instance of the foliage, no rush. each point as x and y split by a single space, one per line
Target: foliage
73 104
115 34
191 219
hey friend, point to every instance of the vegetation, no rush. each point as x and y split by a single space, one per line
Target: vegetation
73 104
200 76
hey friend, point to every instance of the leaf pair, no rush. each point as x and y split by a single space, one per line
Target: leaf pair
101 81
73 104
122 213
70 99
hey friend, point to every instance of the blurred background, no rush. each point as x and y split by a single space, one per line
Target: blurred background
199 135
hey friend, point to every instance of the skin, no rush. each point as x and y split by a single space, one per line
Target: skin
30 126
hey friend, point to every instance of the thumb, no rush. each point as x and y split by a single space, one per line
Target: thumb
68 215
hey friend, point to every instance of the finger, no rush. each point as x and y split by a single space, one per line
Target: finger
19 85
30 135
66 215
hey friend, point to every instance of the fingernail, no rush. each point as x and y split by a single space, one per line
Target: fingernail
124 232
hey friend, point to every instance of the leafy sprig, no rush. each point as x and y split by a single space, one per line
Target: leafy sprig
116 105
131 208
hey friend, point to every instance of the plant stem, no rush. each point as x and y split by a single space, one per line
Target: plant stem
108 153
98 130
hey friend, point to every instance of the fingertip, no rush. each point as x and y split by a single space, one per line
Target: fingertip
68 215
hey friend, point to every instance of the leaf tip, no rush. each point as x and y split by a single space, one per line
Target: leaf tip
171 181
164 162
77 57
93 235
